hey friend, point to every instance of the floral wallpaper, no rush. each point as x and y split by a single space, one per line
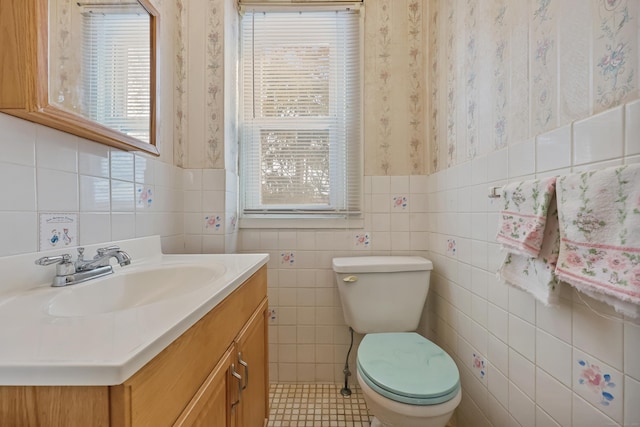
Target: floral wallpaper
434 84
416 85
500 87
64 64
214 79
199 83
395 91
616 39
513 70
180 73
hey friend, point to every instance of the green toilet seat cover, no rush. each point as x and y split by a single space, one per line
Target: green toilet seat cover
408 368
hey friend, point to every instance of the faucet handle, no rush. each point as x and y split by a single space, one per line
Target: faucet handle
48 260
64 265
102 251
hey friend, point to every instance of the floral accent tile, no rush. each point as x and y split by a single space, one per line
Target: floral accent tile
363 240
479 366
287 258
400 202
213 223
58 230
599 384
451 247
144 197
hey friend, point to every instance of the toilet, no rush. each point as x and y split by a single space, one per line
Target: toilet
407 380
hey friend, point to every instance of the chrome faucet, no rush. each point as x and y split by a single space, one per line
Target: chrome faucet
101 259
70 273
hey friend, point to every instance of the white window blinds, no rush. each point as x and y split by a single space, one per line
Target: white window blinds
116 62
301 112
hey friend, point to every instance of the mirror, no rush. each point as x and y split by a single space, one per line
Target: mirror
85 67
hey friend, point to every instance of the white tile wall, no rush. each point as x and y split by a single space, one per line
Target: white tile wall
532 351
310 324
631 399
45 170
210 211
632 128
552 397
599 137
553 149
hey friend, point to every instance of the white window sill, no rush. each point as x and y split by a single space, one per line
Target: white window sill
299 222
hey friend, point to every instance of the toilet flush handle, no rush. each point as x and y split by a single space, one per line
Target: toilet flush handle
350 279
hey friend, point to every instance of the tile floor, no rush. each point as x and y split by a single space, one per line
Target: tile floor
316 405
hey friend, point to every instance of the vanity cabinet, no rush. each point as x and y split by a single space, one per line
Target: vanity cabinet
251 353
211 405
235 393
189 383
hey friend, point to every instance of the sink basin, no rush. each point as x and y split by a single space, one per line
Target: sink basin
126 290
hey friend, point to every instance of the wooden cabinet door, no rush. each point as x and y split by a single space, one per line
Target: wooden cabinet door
252 351
210 407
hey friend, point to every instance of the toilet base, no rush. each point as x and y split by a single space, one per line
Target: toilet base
389 413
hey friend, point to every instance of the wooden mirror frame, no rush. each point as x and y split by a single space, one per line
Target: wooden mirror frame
24 76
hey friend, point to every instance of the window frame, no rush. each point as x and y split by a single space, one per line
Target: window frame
302 216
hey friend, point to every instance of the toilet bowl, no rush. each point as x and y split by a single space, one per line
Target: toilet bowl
406 380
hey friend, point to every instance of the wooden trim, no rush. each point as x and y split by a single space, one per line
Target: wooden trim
24 76
12 71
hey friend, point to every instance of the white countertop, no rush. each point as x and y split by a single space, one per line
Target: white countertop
37 348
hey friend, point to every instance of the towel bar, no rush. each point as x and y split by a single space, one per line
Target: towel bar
493 192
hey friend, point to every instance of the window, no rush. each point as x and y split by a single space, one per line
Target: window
116 64
300 119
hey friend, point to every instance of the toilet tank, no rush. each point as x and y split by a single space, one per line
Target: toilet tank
382 293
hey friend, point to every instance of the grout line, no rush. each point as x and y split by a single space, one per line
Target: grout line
316 405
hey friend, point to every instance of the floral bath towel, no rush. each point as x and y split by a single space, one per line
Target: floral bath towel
599 214
523 219
536 275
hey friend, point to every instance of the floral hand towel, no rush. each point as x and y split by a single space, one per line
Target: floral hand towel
536 275
523 219
600 235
